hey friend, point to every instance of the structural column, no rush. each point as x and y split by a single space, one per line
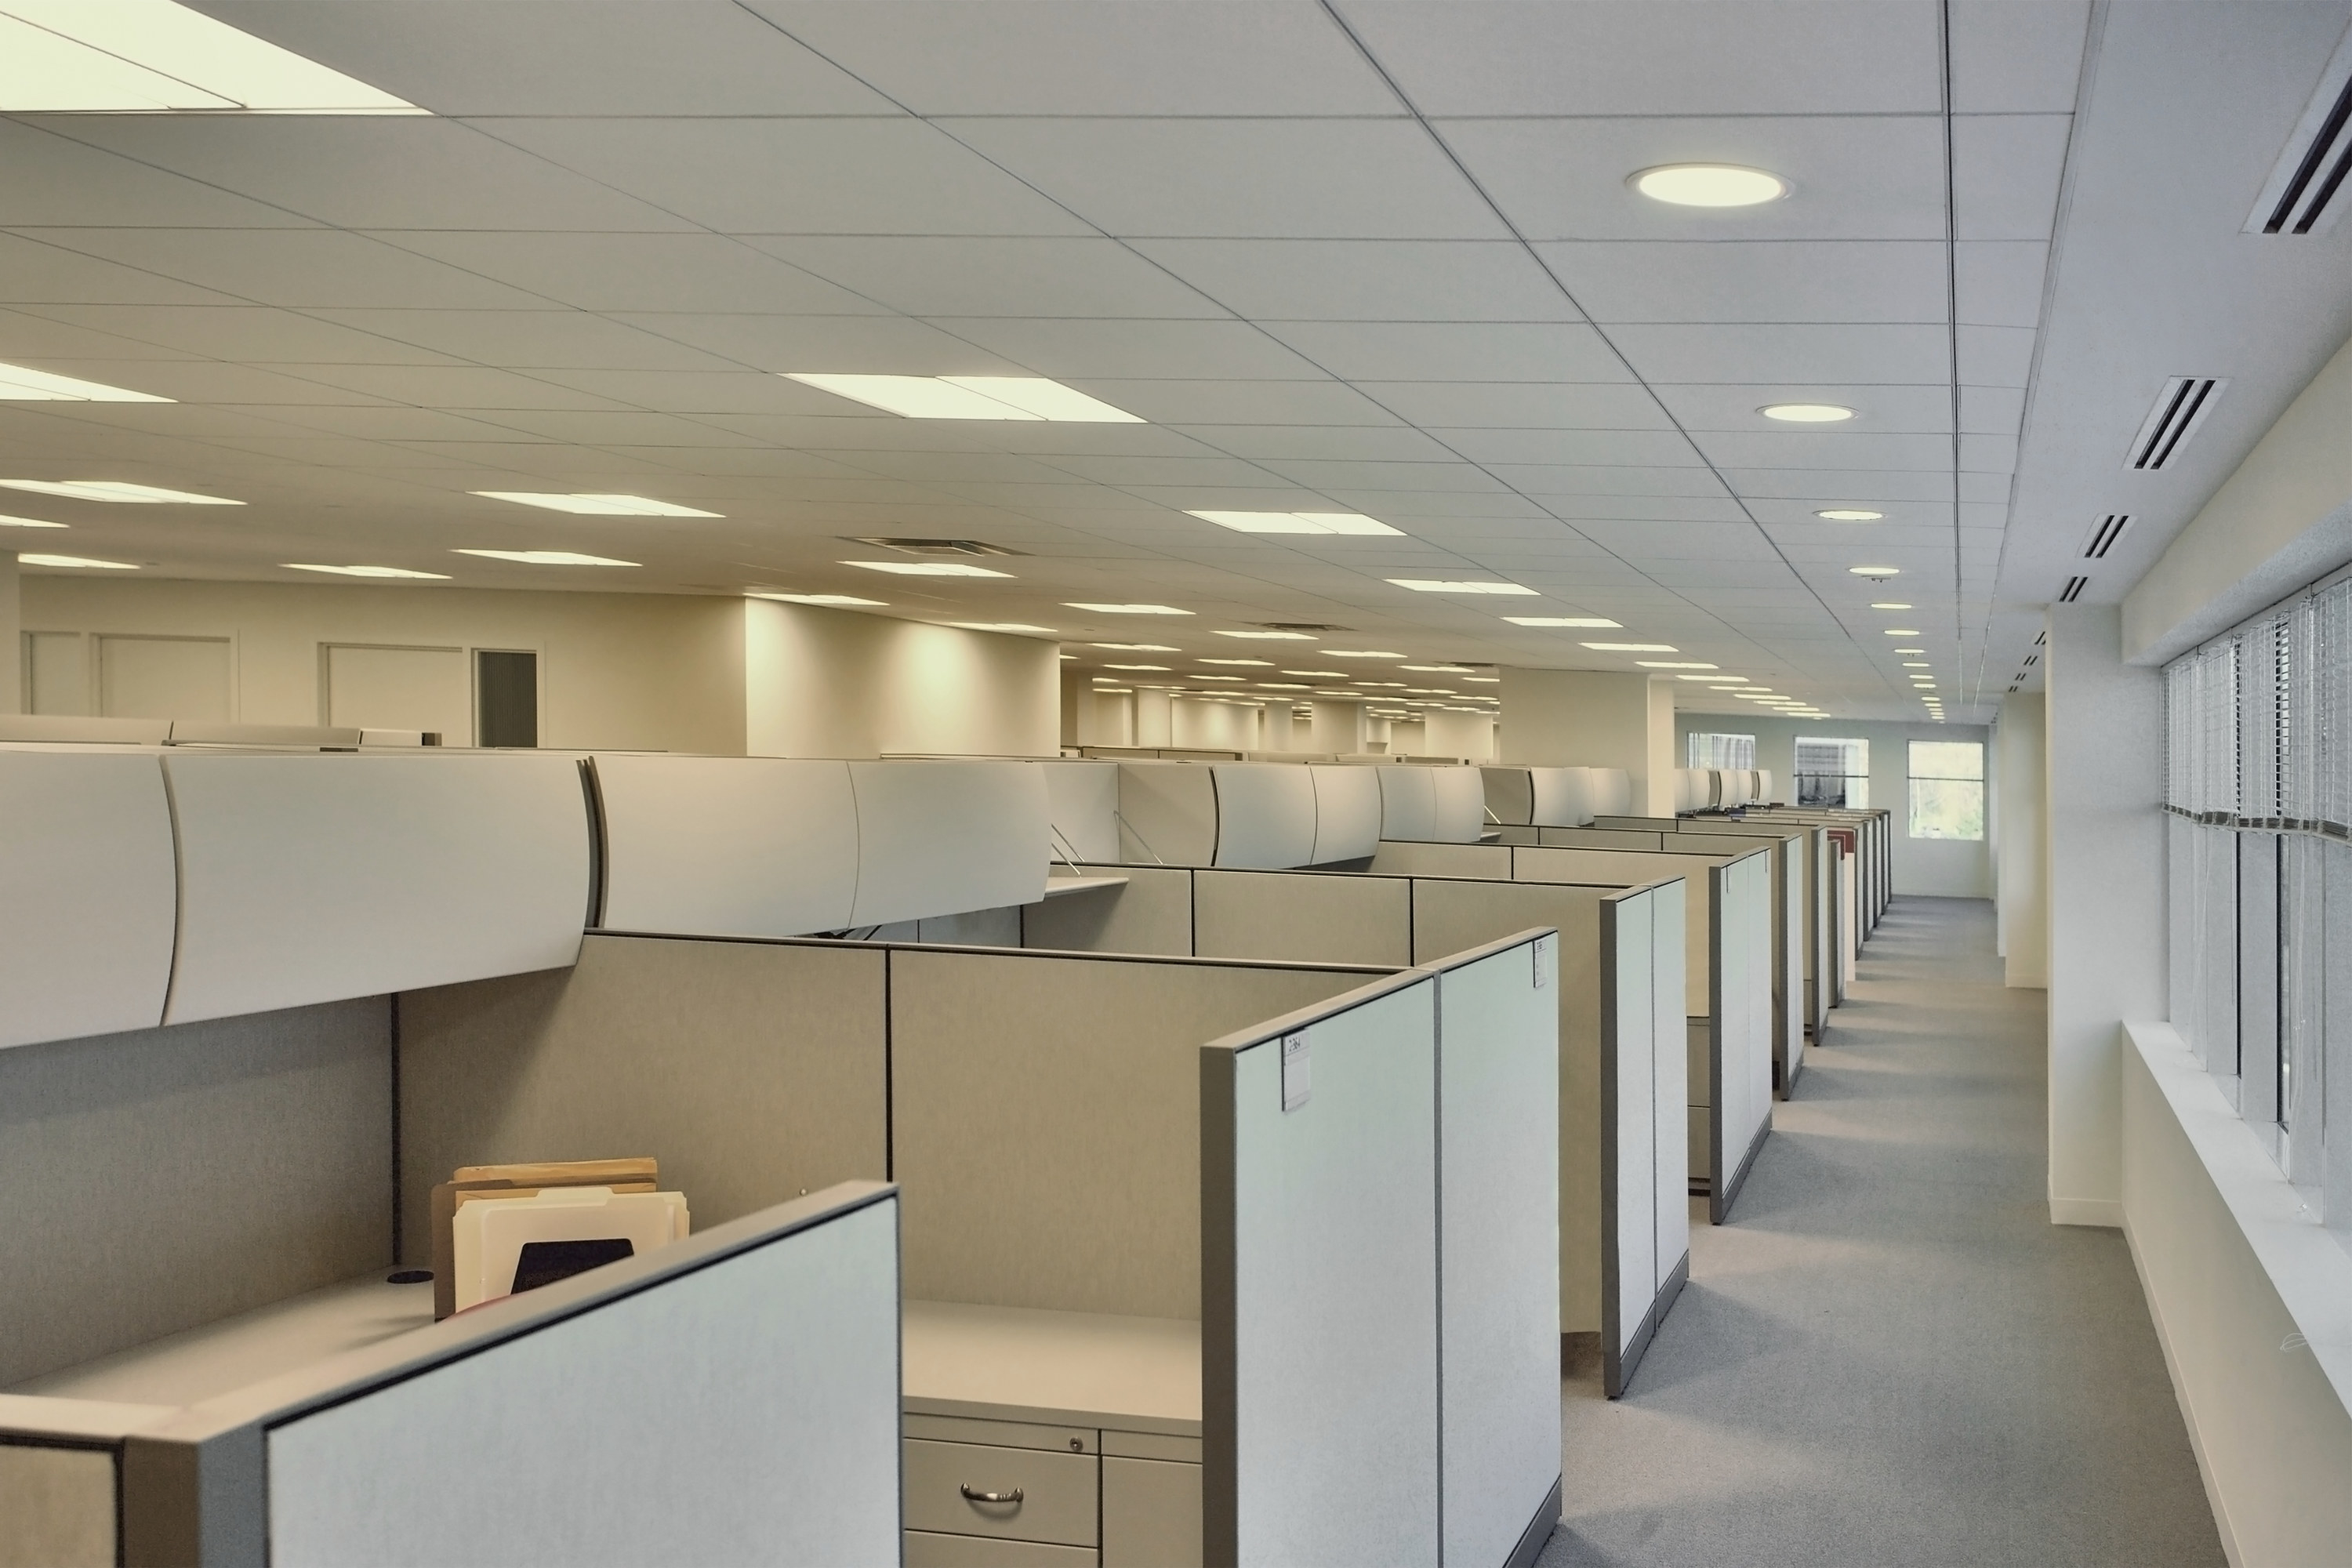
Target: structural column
2023 847
11 638
1592 719
2106 876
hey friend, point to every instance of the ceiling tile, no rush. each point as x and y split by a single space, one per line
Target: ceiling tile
1998 281
1453 351
451 386
293 267
1520 406
924 276
1813 450
1754 280
1996 356
2005 173
529 340
1320 401
1169 349
49 177
1840 487
2017 57
1881 406
1337 442
1825 353
614 272
1367 280
1645 448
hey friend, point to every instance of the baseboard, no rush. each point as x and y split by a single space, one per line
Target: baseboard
2188 1412
1617 1371
1719 1203
1537 1533
2104 1212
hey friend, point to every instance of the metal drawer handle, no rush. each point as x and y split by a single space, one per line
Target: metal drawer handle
971 1496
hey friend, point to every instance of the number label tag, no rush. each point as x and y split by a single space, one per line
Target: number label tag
1546 955
1297 1073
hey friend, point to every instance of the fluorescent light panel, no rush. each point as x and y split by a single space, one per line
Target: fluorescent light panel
115 490
834 601
1271 636
1709 185
154 56
1359 653
1450 585
1595 621
365 571
1125 609
1633 646
1020 627
1350 522
592 505
27 523
929 568
20 385
969 396
1266 662
75 560
545 557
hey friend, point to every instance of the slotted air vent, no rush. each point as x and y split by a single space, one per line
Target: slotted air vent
2018 682
1297 627
2032 659
2179 408
2305 192
2073 590
2102 538
2040 637
934 546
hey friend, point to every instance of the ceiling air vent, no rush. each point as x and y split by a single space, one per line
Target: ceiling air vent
2179 408
2305 193
2073 590
2018 682
934 546
1297 627
2040 637
2102 538
2032 659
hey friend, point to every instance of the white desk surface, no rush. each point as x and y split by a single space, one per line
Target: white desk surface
238 1352
1070 1369
1055 887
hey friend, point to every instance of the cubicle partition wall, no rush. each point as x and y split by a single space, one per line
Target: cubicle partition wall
1804 882
1610 1071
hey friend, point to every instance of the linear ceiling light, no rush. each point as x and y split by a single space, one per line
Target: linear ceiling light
115 490
1902 631
1916 664
1717 680
1888 605
1268 662
1319 674
366 571
1910 650
77 560
1672 664
1595 621
1161 668
832 601
22 385
152 56
1296 521
1271 636
1024 627
1849 514
1709 185
593 505
1361 653
968 396
546 557
1875 572
1633 647
929 568
1447 668
1146 647
1446 585
27 523
1283 684
1485 680
1221 677
1807 412
1127 609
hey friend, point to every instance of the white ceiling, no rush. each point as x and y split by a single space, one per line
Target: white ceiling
1379 257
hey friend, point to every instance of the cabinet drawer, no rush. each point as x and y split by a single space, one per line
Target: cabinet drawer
925 1550
1057 1491
1151 1514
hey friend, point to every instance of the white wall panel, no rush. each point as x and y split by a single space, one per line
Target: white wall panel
87 893
1630 1040
1346 813
1265 816
1408 802
1459 801
312 877
1082 803
728 846
940 838
1668 932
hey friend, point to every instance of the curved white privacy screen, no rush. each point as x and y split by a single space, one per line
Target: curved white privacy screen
1562 796
1460 800
1408 803
940 838
315 876
1082 801
1265 816
1611 790
88 889
1167 814
728 846
1346 813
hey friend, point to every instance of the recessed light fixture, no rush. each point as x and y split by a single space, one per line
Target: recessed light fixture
1451 585
1893 606
1319 674
1283 684
1445 668
1595 621
1717 680
1397 685
1485 679
1672 664
1271 636
1134 646
597 505
1916 664
1127 609
1161 669
1807 412
1112 690
154 56
546 557
78 561
20 385
115 490
1849 514
1902 631
1709 184
832 601
1359 653
930 568
1221 677
27 523
1875 572
365 571
1019 626
1352 523
970 397
1266 662
1633 646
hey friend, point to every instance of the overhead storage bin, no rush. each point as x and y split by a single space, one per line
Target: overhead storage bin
727 845
940 838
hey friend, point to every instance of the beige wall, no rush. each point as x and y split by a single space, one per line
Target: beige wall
833 683
1580 718
12 643
2020 844
650 672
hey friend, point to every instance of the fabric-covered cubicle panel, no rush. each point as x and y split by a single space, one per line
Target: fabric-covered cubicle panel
1309 917
1484 862
89 893
1498 1245
1645 1153
1265 815
1346 813
727 845
1151 913
1319 1211
1741 962
940 838
312 877
657 1426
1627 868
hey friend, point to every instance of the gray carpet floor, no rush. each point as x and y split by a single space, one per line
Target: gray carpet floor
1890 1356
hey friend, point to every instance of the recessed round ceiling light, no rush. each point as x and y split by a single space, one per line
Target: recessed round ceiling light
1709 185
1849 514
1876 572
1807 412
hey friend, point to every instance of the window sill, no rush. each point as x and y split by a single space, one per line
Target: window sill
2306 1263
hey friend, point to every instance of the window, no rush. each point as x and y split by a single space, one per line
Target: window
1833 772
1947 792
1722 751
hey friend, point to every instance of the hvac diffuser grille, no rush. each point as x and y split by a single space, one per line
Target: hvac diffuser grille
2073 590
934 546
2305 192
2179 408
2102 538
2032 659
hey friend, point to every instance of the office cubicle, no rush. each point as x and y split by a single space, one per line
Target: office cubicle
638 1413
1614 1082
